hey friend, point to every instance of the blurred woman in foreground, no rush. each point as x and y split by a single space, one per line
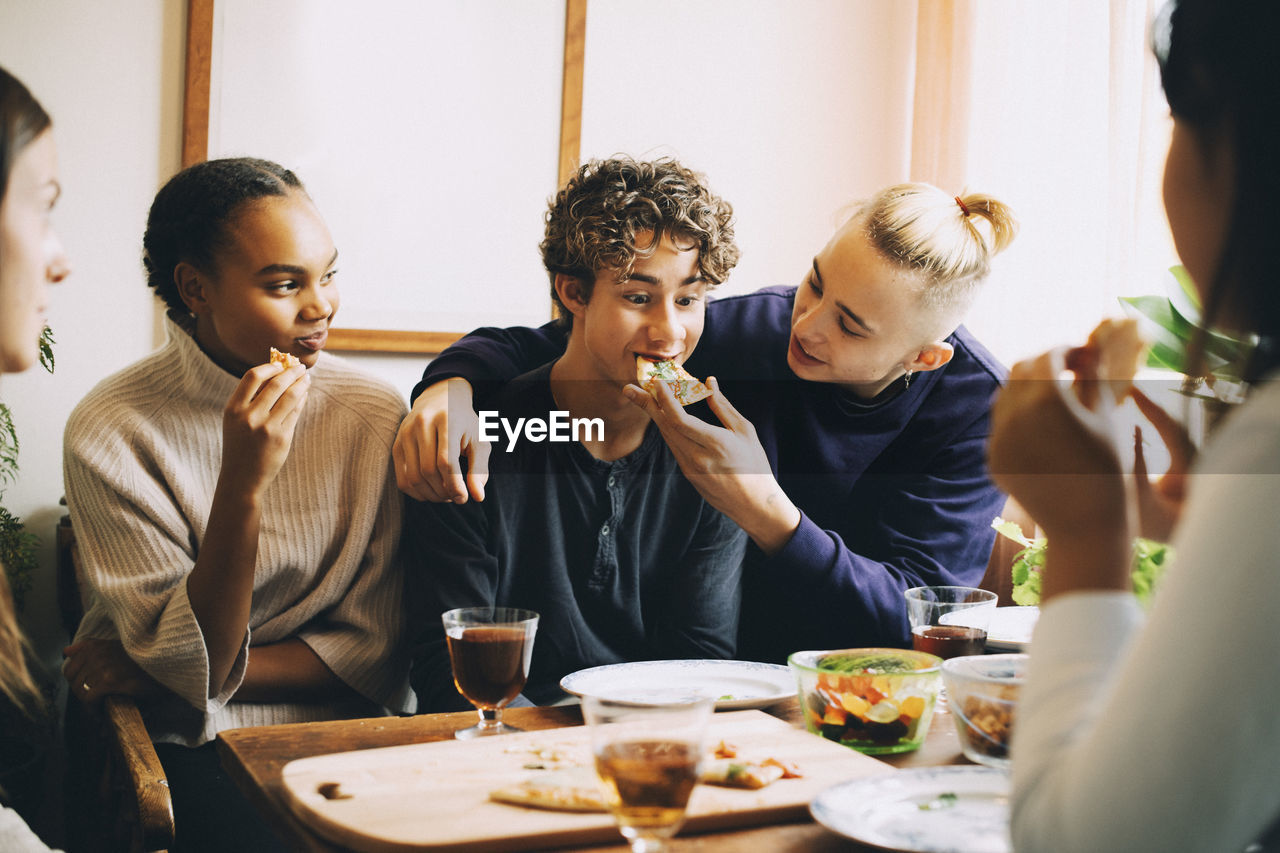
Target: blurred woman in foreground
30 258
1164 735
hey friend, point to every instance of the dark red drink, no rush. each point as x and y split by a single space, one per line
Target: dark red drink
490 664
948 641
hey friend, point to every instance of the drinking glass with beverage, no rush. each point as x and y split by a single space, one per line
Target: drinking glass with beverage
490 649
648 757
949 621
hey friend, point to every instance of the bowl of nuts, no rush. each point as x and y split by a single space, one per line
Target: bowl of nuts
982 694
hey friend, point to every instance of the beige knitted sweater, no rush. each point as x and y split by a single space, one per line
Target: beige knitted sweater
142 455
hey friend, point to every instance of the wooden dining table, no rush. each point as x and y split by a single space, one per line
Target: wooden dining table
255 758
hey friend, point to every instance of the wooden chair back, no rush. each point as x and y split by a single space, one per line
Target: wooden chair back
117 794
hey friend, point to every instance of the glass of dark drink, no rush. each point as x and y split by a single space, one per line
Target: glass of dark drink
648 758
949 621
490 649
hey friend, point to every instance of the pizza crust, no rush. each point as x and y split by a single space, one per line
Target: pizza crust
576 789
1119 347
572 789
284 359
733 773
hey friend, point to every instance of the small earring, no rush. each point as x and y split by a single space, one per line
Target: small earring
906 380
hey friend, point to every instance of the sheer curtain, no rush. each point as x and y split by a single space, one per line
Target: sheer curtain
1055 108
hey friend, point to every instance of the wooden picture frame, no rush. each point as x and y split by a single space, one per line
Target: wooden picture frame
195 148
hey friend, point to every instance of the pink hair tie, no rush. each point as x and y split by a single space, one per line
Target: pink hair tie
963 209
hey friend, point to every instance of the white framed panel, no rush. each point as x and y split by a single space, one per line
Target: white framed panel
427 131
793 110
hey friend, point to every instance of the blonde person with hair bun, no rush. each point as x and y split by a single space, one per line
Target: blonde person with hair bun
852 452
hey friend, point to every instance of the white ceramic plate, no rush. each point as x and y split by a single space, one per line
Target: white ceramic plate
735 684
1010 628
922 810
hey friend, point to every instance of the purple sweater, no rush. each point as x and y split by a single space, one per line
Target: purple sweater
893 493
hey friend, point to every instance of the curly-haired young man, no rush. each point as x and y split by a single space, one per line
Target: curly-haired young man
592 525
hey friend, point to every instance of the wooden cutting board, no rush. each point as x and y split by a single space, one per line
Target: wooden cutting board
434 796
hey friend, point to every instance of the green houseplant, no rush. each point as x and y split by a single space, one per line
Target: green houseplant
1149 561
1172 323
17 545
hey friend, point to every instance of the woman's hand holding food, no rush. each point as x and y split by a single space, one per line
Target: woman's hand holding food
1159 502
727 465
440 431
258 424
96 669
1056 455
257 428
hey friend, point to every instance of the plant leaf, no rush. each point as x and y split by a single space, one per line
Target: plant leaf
1182 293
8 446
1186 287
46 349
1170 334
1160 311
1161 354
1011 530
18 554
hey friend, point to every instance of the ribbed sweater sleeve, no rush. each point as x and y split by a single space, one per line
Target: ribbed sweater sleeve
143 452
129 467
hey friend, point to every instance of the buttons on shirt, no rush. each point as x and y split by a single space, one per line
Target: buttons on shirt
604 531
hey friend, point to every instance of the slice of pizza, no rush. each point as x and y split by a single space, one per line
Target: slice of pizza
684 387
284 359
1120 350
733 773
1116 349
571 789
576 788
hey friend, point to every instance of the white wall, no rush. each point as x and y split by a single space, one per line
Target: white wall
1056 133
110 74
793 109
426 132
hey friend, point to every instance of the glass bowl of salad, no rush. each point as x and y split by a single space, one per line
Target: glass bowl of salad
876 701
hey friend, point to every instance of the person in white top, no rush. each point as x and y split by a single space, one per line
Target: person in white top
1161 733
238 520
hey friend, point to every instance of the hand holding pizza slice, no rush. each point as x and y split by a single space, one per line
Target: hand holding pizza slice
684 386
284 359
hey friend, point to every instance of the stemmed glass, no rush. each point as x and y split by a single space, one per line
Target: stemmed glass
489 649
648 757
